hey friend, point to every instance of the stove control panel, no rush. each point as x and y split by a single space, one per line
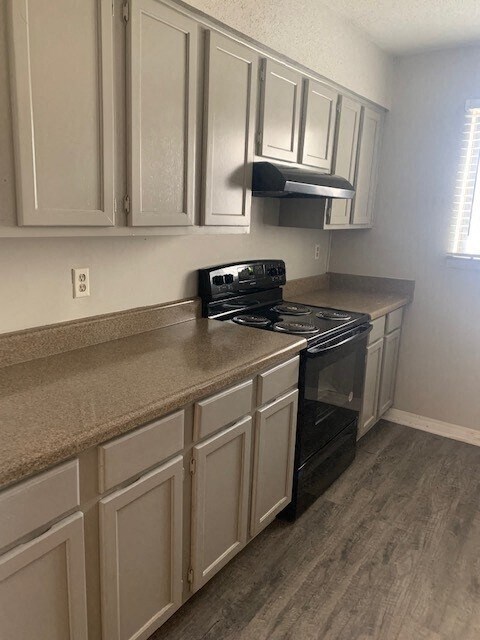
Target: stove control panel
240 278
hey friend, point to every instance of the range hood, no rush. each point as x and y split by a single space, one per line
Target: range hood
272 180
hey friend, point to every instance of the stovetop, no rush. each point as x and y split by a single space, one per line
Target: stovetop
250 294
291 317
268 311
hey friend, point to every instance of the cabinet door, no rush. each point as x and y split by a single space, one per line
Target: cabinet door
229 131
391 345
221 484
42 586
280 112
162 103
62 97
366 180
373 370
274 450
318 129
141 553
345 162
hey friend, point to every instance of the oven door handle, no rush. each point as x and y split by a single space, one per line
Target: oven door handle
356 337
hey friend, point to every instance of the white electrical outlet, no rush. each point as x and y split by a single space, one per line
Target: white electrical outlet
317 252
81 282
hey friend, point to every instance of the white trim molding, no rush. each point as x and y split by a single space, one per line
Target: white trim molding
438 427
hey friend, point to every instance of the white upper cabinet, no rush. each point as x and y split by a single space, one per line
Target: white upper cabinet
162 103
366 180
231 76
193 123
345 162
318 125
62 98
280 112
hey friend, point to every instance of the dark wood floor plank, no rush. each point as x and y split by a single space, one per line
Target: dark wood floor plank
390 552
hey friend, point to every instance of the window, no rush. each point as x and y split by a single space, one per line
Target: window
465 231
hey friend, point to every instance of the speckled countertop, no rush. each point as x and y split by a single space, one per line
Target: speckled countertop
55 407
363 294
375 304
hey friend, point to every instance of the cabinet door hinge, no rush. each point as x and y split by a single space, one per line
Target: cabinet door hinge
262 72
193 466
190 576
329 212
126 11
126 204
259 140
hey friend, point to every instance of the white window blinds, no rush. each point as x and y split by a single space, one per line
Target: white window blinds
465 229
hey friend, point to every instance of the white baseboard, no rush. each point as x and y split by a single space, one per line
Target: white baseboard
439 428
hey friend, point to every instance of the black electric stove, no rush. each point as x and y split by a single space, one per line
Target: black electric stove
250 294
332 366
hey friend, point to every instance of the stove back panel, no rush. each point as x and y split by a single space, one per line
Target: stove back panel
235 279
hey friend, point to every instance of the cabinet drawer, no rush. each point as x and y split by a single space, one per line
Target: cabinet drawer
394 320
38 501
222 409
274 382
378 329
135 452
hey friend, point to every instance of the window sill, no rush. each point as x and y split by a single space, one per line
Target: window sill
459 261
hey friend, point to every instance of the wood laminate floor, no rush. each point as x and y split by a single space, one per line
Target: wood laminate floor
390 552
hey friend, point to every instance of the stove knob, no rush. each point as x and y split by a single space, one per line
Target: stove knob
218 280
281 271
229 278
272 271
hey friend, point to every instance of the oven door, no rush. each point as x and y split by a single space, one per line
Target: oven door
332 381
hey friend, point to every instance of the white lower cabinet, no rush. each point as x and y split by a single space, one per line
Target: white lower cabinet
373 372
391 346
221 484
141 553
42 586
141 498
381 370
275 430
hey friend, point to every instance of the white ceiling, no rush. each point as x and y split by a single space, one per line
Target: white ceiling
407 26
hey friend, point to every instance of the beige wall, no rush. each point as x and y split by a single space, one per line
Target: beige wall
440 353
35 286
